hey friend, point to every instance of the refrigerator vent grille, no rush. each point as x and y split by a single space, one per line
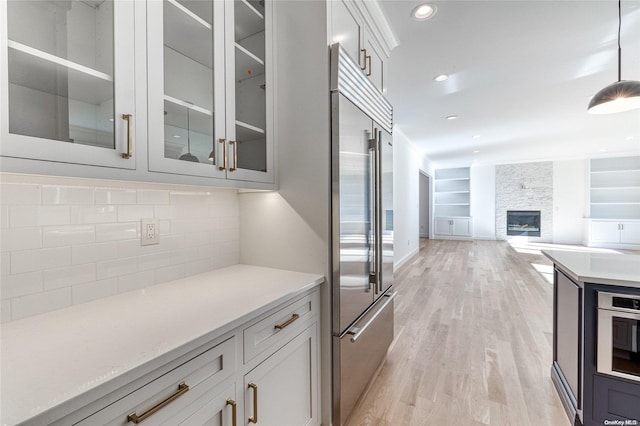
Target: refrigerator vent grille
348 79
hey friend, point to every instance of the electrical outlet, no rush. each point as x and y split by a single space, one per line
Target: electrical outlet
149 232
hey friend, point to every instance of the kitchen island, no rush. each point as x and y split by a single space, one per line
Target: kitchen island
596 354
204 334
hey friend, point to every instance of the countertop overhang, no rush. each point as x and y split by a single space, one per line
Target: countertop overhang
55 362
598 268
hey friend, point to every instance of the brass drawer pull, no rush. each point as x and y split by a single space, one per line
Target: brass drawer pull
235 156
129 153
224 154
287 322
254 418
364 63
234 413
369 62
133 417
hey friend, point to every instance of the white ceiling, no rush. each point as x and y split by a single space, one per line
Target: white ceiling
521 76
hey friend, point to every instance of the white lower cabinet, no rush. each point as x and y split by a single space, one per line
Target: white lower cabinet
614 231
283 389
203 387
452 226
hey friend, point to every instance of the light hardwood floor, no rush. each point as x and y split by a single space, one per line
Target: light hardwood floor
473 342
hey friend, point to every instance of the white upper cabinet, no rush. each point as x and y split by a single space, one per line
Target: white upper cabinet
69 70
353 31
208 89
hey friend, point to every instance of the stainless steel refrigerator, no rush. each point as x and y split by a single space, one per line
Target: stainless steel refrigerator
362 230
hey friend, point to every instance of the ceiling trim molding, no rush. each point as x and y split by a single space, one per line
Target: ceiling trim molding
376 20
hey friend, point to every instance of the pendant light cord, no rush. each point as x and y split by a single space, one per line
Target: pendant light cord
619 48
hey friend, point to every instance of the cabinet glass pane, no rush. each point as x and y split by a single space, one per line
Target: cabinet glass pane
188 80
250 86
61 84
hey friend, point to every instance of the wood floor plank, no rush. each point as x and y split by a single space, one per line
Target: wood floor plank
473 329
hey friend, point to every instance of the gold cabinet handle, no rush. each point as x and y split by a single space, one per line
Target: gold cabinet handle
235 156
287 322
364 63
224 154
234 413
133 417
129 153
368 58
254 418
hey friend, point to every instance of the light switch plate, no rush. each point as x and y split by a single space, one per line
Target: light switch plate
149 232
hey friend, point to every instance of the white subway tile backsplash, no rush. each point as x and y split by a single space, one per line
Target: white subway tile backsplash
69 276
83 293
37 260
39 303
5 310
63 244
115 196
5 265
134 213
91 253
20 239
169 273
117 231
20 285
20 216
66 195
55 236
153 197
116 268
19 193
93 214
165 212
154 261
4 217
135 281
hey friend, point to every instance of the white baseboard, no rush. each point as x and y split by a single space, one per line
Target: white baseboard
400 263
484 238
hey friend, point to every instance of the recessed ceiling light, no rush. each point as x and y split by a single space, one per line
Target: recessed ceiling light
603 150
629 138
441 77
476 151
452 117
476 136
177 136
423 12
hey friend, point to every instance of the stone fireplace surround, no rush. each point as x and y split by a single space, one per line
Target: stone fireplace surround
526 186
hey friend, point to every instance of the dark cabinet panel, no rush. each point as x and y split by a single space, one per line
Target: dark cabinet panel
615 399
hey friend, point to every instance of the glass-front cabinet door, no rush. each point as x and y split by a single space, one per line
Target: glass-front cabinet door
208 89
186 87
67 73
249 81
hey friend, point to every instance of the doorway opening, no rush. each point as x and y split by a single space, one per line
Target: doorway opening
424 189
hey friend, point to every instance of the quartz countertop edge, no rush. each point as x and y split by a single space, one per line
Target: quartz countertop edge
55 363
597 267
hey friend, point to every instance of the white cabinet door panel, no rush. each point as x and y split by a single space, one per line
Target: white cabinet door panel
630 233
442 226
605 231
461 227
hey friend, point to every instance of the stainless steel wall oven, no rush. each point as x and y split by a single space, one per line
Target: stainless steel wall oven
619 335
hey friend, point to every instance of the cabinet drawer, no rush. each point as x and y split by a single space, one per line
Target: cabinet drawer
279 326
200 374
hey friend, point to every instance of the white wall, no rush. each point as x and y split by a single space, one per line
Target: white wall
406 167
483 202
569 193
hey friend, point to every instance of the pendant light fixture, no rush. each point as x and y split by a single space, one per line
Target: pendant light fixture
189 156
623 95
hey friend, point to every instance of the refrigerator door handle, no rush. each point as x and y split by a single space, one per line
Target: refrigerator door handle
379 210
356 332
373 266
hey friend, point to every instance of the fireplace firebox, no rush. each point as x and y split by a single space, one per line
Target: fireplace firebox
523 222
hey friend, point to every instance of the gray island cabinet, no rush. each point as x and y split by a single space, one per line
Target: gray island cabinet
596 336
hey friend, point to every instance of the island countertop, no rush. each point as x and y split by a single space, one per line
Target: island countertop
598 268
53 362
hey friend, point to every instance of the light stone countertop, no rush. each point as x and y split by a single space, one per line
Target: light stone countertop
57 362
598 268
